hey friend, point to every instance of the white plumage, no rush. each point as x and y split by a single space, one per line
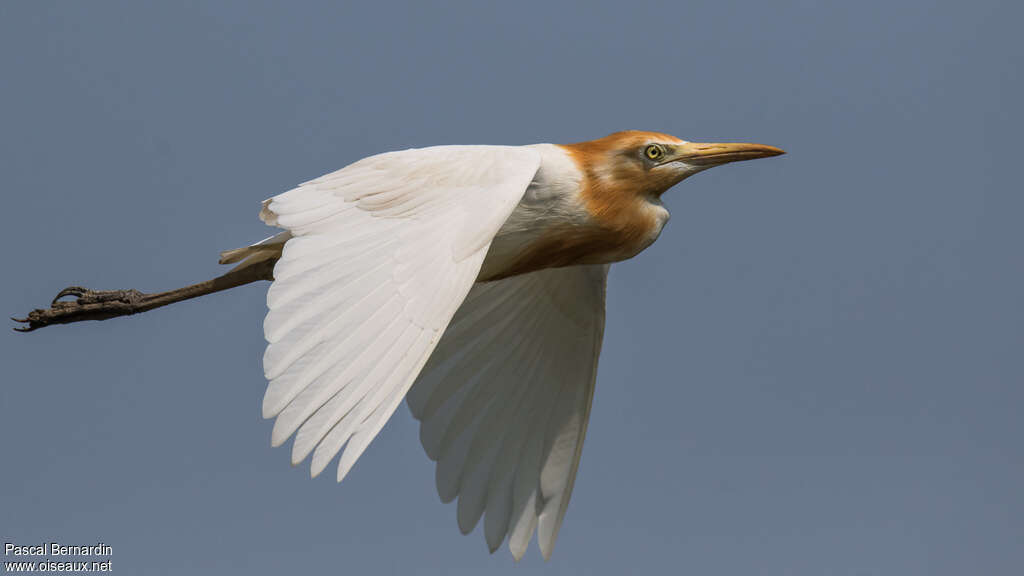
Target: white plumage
382 254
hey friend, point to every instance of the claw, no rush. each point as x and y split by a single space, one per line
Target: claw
28 328
76 291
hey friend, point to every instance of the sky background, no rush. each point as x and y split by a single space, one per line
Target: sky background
818 369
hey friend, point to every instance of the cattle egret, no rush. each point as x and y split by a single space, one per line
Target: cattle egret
468 279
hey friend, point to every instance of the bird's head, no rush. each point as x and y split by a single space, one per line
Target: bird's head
637 163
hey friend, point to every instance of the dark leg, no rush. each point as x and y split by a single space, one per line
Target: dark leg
103 304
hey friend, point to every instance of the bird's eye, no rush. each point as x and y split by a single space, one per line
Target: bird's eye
654 152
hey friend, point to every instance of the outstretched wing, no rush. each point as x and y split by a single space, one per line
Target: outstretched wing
504 401
382 253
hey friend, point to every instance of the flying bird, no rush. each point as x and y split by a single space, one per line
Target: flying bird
469 280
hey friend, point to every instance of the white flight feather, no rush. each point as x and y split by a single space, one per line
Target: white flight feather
505 399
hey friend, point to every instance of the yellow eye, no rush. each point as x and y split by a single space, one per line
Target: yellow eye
654 152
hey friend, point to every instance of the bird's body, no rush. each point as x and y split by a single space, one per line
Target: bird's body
471 278
483 265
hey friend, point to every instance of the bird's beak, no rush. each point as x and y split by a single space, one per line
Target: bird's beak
707 154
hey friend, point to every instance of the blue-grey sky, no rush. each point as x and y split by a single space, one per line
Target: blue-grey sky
818 368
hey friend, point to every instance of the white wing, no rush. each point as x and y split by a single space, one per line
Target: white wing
382 254
505 398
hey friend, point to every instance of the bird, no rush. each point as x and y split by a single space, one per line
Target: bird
469 280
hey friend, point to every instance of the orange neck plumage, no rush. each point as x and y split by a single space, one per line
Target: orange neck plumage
619 195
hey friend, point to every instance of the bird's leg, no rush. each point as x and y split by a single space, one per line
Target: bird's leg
104 304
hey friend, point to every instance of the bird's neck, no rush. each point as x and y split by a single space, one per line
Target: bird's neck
568 216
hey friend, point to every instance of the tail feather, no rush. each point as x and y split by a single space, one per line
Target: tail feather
266 249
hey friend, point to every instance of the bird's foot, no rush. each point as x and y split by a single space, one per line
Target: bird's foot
87 305
85 296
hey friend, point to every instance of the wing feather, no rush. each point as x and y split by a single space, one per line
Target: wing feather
505 398
381 255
